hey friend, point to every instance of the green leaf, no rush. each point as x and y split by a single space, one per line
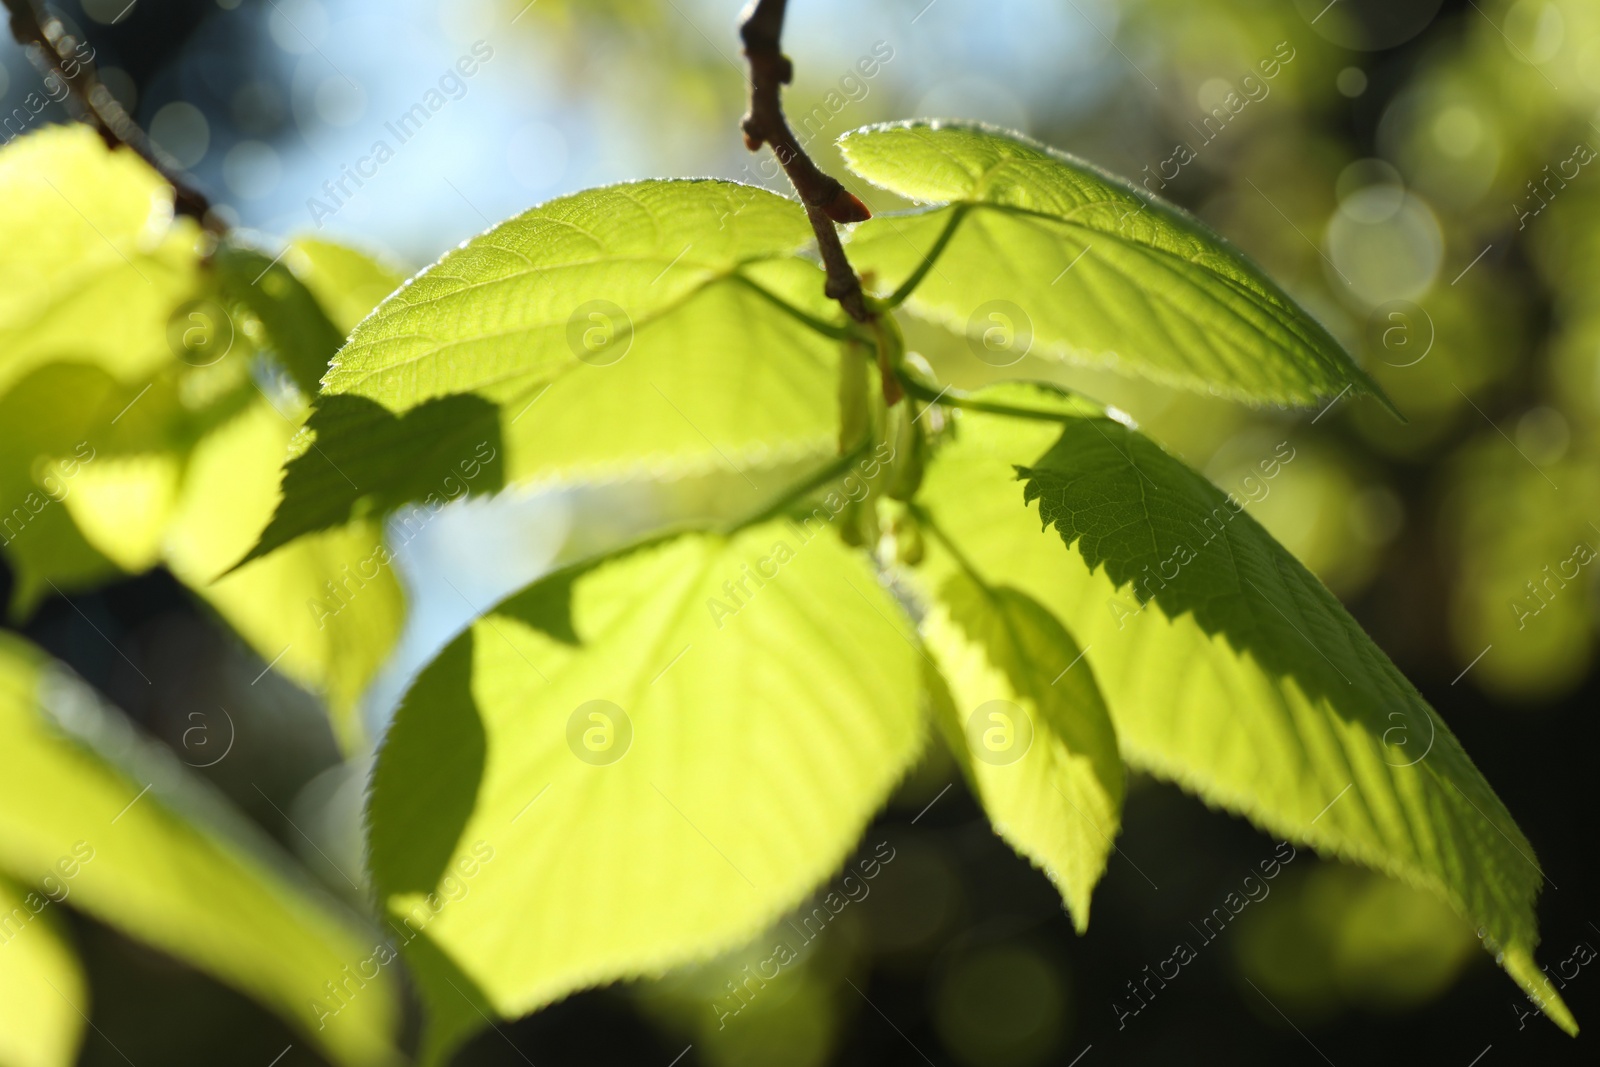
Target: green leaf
326 611
347 282
652 328
44 1001
296 329
1037 251
95 265
122 505
355 459
117 363
1031 730
90 467
145 846
654 756
56 420
1286 712
101 277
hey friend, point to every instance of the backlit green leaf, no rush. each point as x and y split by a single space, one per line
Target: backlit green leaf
648 328
90 467
59 426
347 282
295 328
1227 667
44 1001
95 265
42 451
143 845
1029 725
1039 252
637 763
326 611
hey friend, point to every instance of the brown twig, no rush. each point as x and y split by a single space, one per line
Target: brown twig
825 199
56 52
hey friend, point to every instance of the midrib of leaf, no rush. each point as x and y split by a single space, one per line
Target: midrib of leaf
1258 298
931 257
562 368
967 566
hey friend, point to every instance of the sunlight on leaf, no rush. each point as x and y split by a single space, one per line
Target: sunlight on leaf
122 506
53 419
1286 712
347 282
636 764
1040 252
294 327
326 611
95 262
162 857
43 997
641 329
1028 724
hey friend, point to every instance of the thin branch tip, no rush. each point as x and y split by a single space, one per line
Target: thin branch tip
825 198
56 52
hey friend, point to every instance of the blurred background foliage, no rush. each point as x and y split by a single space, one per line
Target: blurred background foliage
1421 173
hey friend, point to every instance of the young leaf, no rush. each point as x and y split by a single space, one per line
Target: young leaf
152 851
1034 250
44 1000
637 763
95 265
122 505
1286 712
297 330
347 282
97 270
657 327
326 611
1027 723
58 436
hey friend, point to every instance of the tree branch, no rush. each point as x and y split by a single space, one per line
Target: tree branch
56 52
826 200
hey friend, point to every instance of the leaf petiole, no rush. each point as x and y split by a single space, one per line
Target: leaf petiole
899 296
822 476
827 329
955 399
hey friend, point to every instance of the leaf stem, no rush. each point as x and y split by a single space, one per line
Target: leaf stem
923 516
822 476
826 200
956 399
827 329
899 296
56 51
